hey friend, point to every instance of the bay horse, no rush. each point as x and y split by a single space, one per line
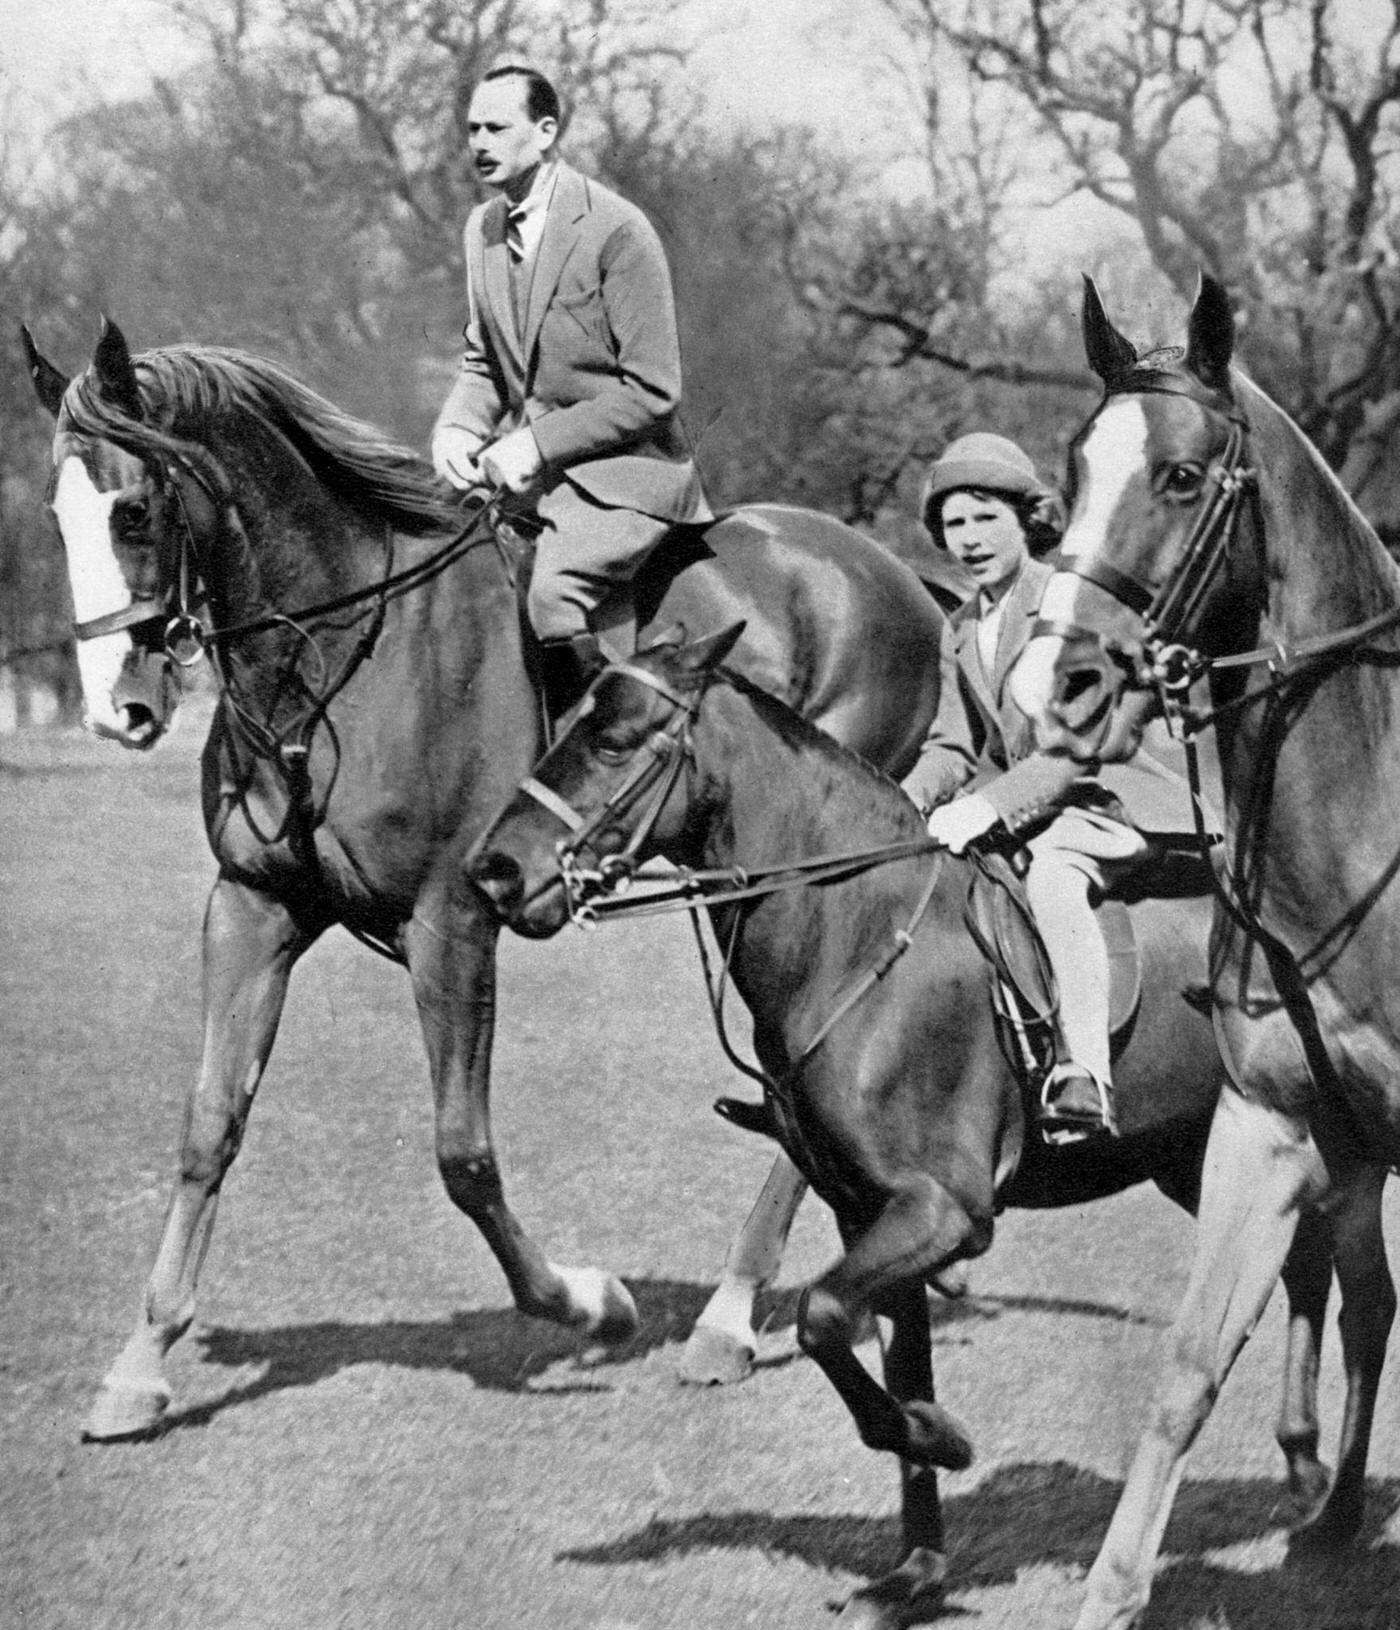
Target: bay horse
376 706
1208 540
872 1021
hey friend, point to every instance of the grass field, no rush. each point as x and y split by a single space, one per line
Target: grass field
365 1434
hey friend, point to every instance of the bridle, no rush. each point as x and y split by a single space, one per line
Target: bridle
652 776
185 636
1169 664
188 635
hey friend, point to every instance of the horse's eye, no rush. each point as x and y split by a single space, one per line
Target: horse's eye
1182 481
132 516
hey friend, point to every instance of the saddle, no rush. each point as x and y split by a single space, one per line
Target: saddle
1024 999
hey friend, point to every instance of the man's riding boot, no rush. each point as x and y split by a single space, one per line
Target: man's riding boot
569 665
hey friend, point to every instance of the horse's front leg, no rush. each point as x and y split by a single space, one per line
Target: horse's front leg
1307 1283
722 1345
451 951
921 1227
1261 1169
918 1580
1368 1311
251 943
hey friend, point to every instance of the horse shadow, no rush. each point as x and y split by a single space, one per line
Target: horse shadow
501 1350
497 1349
1032 1514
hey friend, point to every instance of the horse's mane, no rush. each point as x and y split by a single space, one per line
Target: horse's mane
182 387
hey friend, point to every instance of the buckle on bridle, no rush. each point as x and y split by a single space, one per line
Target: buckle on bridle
1173 668
184 640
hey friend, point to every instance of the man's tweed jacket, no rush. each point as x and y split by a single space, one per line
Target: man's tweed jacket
596 371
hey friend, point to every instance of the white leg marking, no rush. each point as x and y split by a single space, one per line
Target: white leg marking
84 518
602 1305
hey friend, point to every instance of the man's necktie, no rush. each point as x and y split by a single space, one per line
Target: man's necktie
519 272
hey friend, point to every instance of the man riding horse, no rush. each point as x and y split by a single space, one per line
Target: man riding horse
570 382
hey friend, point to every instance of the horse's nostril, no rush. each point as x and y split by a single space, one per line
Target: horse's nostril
499 879
1077 684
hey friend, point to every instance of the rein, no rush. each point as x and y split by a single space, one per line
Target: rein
597 893
186 635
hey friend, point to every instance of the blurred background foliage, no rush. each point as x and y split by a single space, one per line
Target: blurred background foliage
299 191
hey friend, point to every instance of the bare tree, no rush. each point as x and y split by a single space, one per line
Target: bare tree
1255 138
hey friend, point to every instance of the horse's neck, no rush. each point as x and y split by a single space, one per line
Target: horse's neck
777 791
781 782
1291 772
1326 567
291 542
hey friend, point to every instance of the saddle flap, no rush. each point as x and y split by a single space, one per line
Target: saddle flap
1000 920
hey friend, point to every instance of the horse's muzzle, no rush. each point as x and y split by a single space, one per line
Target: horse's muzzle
144 700
1086 709
500 880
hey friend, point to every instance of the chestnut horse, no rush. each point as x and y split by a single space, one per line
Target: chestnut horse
871 1018
375 709
1207 539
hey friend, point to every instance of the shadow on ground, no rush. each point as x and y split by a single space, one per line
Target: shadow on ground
1031 1515
501 1350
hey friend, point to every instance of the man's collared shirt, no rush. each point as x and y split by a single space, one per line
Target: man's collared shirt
525 220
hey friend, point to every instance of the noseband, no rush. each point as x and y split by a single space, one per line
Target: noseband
651 778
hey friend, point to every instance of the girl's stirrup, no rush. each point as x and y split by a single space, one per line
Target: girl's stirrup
1075 1104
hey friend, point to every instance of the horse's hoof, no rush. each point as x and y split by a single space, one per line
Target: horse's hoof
954 1281
935 1438
1331 1527
886 1604
124 1413
1308 1484
617 1320
713 1358
596 1304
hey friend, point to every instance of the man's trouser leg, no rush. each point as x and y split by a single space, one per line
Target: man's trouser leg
584 550
1079 852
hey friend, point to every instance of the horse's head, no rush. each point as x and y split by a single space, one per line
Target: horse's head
124 521
611 791
1156 479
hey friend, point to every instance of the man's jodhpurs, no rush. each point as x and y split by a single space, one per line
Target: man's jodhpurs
584 550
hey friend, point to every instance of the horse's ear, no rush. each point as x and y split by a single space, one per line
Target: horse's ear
1110 355
116 373
1210 334
670 638
49 384
704 656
